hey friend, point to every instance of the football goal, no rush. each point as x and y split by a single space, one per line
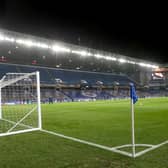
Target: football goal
20 109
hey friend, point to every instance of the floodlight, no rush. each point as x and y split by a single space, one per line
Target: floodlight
42 45
122 60
99 56
131 62
60 48
82 53
1 37
155 66
110 58
19 41
28 43
89 54
144 65
9 39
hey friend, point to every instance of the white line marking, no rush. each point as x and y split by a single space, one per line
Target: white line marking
88 143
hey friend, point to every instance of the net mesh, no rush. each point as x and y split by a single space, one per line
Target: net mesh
18 102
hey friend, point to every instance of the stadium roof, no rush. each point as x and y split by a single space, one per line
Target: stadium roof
61 47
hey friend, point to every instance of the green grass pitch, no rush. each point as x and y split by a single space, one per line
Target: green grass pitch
102 122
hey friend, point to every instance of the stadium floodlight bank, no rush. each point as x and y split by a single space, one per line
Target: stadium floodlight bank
20 109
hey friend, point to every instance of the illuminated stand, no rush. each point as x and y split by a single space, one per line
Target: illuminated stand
20 109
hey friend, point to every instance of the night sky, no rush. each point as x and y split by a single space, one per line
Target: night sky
136 30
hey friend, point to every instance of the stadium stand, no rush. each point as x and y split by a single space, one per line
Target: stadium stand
48 75
48 78
73 78
69 72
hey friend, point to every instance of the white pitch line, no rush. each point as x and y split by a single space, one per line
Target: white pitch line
18 132
137 145
88 143
152 148
112 149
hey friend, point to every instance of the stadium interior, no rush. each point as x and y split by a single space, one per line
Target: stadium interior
74 73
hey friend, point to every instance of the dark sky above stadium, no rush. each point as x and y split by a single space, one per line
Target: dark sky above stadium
136 30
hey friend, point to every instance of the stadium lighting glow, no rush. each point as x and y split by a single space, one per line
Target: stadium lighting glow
6 38
42 45
147 65
131 62
30 43
75 52
110 58
19 41
59 48
99 56
9 39
122 60
1 37
82 53
142 64
89 54
154 66
57 66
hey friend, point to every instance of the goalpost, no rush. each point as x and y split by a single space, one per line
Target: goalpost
20 109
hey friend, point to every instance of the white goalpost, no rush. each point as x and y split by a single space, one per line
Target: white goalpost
20 109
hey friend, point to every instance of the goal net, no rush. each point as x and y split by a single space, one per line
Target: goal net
19 103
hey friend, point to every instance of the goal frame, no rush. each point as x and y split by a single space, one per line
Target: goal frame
39 118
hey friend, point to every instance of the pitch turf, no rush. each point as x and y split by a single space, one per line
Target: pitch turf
101 122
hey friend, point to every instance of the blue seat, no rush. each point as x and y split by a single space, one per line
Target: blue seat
48 75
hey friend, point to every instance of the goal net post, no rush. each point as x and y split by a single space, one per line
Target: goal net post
20 107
